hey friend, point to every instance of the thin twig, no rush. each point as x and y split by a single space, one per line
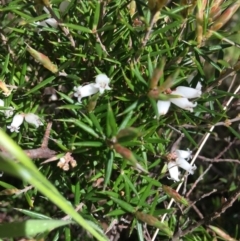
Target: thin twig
218 160
228 122
24 190
198 212
198 180
208 219
202 197
225 149
46 135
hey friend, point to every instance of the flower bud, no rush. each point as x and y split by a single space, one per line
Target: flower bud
127 154
33 119
151 220
175 195
225 16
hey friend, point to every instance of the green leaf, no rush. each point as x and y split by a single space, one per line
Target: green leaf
108 168
127 134
126 206
151 220
81 125
88 143
77 27
32 214
111 122
96 15
41 85
25 169
29 228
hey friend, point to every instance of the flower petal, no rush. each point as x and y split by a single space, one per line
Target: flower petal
185 165
102 82
163 106
199 86
1 103
183 154
48 22
84 91
88 90
102 78
183 103
173 171
187 92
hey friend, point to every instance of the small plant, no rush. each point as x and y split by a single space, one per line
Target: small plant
91 147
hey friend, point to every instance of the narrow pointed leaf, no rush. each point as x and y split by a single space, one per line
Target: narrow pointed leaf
169 82
157 74
126 206
221 233
127 134
127 154
43 59
152 221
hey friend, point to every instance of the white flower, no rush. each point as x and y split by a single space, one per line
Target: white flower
180 160
102 82
173 171
48 22
33 119
9 112
16 122
84 91
182 101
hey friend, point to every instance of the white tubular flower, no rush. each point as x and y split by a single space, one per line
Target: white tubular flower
173 171
33 119
182 161
84 91
16 122
102 82
182 101
48 22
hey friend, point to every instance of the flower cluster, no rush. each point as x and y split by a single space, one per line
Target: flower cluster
183 94
180 158
19 118
102 84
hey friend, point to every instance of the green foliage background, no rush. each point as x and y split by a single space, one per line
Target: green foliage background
108 39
